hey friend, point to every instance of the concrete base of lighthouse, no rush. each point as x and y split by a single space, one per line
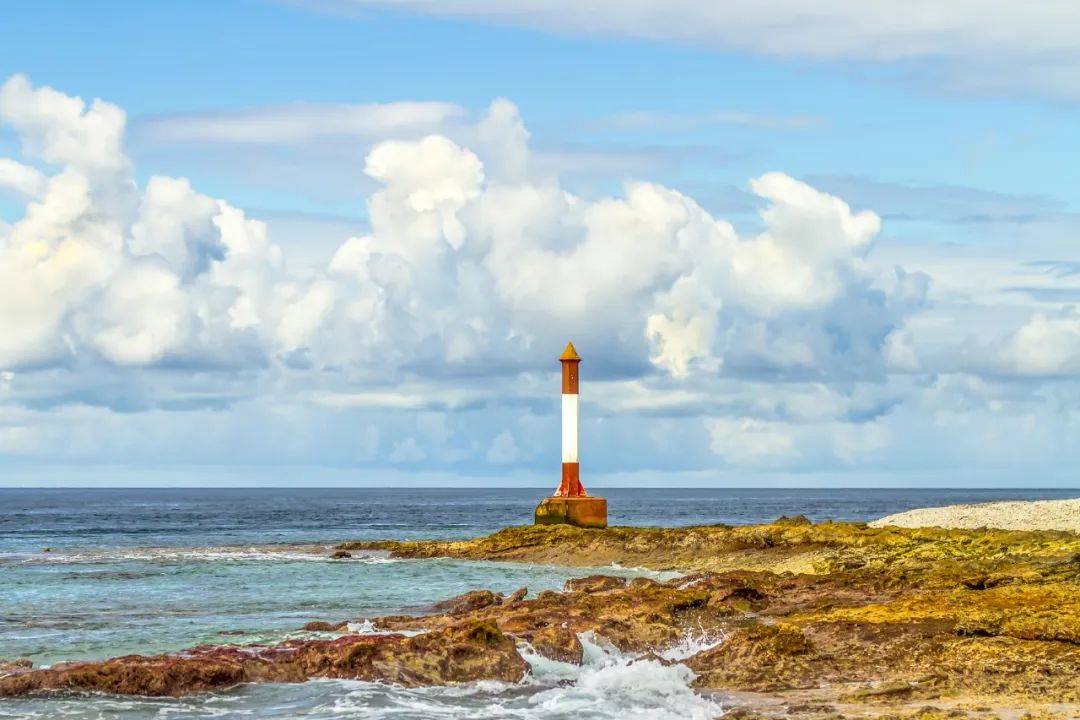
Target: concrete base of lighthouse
585 511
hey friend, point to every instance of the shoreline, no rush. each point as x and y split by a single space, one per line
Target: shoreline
817 619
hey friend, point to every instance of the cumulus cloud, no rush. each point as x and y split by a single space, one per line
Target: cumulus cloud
63 130
772 346
1045 345
22 179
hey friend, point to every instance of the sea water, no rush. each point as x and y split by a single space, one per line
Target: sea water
97 573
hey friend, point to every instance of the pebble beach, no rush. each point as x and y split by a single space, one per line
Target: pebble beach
1016 515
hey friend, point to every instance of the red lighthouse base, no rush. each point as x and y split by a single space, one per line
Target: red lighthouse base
583 511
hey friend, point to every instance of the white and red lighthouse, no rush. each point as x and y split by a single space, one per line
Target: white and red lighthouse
571 504
571 473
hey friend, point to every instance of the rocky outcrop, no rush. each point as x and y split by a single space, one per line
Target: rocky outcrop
464 652
855 614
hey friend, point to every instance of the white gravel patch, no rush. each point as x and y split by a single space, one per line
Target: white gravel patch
1034 515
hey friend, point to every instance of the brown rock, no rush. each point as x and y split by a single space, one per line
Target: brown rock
467 602
8 667
516 596
340 555
323 626
594 583
557 642
467 652
758 657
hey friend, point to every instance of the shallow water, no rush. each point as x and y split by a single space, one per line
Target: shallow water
156 570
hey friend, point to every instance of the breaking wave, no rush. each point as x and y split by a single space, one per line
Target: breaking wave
609 685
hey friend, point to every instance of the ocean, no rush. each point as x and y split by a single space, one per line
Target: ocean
95 573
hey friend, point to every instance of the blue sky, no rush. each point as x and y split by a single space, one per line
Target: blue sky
826 244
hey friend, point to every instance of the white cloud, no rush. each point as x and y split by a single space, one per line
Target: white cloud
407 451
457 266
436 328
23 179
503 449
300 122
989 45
748 441
1046 346
62 130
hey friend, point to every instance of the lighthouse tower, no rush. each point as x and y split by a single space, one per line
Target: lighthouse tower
571 474
571 504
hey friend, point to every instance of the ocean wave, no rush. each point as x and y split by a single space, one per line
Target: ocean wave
366 627
613 684
254 553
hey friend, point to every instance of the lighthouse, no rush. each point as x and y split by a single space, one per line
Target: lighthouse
571 504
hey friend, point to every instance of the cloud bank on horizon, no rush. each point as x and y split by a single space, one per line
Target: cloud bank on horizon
147 323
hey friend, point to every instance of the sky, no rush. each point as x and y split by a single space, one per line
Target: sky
342 242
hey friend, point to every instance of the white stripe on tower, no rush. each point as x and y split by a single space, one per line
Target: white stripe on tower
570 427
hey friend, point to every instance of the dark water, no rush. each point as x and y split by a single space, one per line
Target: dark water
145 571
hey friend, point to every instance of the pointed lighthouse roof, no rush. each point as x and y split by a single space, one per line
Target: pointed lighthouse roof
569 353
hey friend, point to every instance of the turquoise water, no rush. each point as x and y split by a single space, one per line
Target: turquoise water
146 571
97 605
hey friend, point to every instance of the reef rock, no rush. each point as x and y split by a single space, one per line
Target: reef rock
595 583
8 667
815 615
465 652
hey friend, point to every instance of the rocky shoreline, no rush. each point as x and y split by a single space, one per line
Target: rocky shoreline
809 621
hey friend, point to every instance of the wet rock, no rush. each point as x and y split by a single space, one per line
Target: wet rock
323 626
340 555
793 520
467 652
738 599
516 596
467 602
595 583
557 643
8 667
639 583
759 657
